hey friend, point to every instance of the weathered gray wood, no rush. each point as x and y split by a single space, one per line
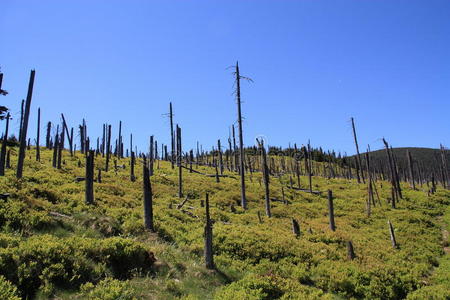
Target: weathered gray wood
179 165
241 138
392 234
24 127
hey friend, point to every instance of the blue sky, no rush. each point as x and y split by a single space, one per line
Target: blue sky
314 65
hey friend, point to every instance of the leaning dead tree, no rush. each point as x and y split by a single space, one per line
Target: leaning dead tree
24 127
359 169
69 136
209 258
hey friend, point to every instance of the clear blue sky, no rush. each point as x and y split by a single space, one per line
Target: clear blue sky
314 65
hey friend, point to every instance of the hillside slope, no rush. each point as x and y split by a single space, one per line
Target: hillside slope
53 245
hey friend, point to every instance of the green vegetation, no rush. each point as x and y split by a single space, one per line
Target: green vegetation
53 244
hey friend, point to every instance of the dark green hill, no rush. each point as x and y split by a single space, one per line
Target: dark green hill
427 159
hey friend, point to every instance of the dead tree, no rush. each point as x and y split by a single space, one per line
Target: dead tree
24 127
446 179
172 141
392 234
209 255
22 109
410 169
331 210
350 251
148 198
132 163
4 144
55 148
241 138
219 148
108 148
48 144
69 136
265 174
60 148
89 190
392 175
295 227
179 165
38 151
358 156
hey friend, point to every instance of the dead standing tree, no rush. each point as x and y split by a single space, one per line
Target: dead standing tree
24 127
89 181
359 169
148 197
179 163
4 144
265 174
38 150
241 138
209 256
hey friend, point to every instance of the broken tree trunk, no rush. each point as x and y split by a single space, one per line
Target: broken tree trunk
209 255
148 198
24 127
392 234
350 252
331 210
89 190
38 150
295 227
4 144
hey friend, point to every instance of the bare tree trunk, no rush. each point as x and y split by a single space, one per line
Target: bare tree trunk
358 160
350 252
60 149
295 227
172 141
47 137
22 110
23 137
219 148
265 173
4 144
331 210
241 138
108 147
410 169
69 136
89 181
392 234
55 148
148 198
132 163
38 150
209 255
179 165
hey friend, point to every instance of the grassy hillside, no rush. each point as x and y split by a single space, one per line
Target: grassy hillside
52 245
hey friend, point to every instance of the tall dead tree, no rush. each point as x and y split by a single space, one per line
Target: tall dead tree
55 148
4 144
119 148
359 168
38 134
148 198
24 128
132 163
22 110
446 179
241 137
179 165
392 174
172 141
89 180
219 148
60 148
209 255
